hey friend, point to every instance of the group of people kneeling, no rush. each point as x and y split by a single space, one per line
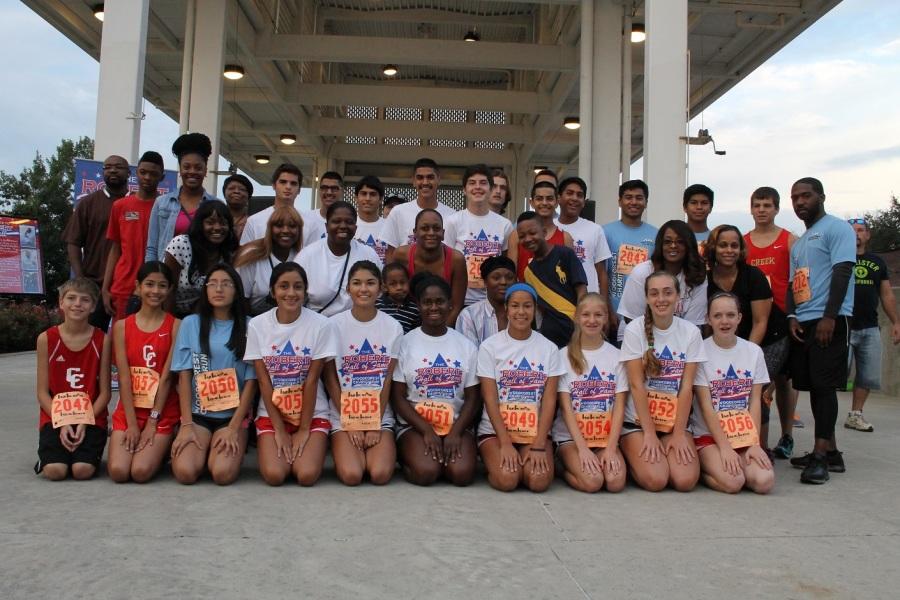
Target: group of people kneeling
668 408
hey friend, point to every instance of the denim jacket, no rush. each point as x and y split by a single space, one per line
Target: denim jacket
162 224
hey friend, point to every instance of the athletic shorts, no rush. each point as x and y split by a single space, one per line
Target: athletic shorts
823 367
490 436
865 350
212 424
628 427
51 450
776 355
703 441
168 419
264 425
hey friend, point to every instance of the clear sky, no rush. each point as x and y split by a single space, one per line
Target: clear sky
825 106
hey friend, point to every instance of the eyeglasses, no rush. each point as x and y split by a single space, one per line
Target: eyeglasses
674 243
858 221
220 285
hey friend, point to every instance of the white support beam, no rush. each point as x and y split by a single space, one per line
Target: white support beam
665 107
326 126
607 110
400 51
407 155
425 15
120 93
586 92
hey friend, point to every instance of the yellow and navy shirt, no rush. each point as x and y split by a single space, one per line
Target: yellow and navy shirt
555 278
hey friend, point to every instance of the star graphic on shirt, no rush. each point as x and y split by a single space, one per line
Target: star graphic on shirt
540 367
274 347
353 346
682 356
382 349
580 242
496 238
747 374
611 377
306 351
457 364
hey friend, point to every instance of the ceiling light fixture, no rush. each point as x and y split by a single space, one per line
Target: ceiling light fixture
389 70
98 11
539 168
571 123
262 159
288 139
234 72
472 36
638 34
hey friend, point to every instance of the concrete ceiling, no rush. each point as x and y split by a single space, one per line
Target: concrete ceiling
314 69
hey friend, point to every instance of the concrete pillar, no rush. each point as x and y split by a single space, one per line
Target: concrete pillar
121 90
625 154
205 113
607 110
586 89
665 107
187 65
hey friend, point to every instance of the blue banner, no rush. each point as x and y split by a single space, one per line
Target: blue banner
89 179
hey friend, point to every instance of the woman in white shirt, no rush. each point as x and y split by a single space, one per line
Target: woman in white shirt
519 371
255 260
327 261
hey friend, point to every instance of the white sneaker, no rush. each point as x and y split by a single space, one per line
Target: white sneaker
856 421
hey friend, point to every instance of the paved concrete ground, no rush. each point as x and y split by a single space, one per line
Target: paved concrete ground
100 540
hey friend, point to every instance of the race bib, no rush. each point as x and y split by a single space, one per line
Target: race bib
629 256
217 390
594 427
289 402
144 383
71 408
739 427
800 285
361 410
438 414
662 410
520 419
473 268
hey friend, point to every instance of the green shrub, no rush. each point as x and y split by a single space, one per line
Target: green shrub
21 323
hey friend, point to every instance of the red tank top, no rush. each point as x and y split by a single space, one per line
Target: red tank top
774 261
448 262
524 256
150 349
69 371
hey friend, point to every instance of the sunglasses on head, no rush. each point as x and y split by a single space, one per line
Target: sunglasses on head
858 222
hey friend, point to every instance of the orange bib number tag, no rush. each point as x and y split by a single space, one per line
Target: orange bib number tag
361 410
71 408
520 419
144 383
739 427
629 257
438 414
800 285
473 267
218 390
594 427
289 402
662 410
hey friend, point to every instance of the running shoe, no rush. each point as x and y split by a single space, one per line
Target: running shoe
856 421
816 470
784 448
834 459
798 423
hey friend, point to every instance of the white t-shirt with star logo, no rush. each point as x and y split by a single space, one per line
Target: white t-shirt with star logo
730 374
288 349
364 351
478 237
520 369
371 235
590 247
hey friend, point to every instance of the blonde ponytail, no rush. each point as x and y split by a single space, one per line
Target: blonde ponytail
574 351
652 366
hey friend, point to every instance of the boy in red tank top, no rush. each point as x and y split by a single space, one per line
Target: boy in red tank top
544 201
769 249
72 387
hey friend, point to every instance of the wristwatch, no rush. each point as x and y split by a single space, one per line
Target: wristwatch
154 414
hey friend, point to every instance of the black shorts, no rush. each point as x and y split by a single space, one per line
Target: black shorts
209 423
827 366
51 450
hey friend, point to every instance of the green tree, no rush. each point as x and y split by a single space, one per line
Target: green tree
43 192
885 227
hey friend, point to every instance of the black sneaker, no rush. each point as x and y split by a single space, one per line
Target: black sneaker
833 458
785 447
816 470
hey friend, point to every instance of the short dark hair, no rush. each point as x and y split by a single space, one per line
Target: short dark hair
332 175
479 169
761 193
502 173
152 157
814 183
426 211
542 184
697 188
393 201
287 168
569 181
633 184
238 178
547 172
496 262
369 181
426 163
527 216
337 205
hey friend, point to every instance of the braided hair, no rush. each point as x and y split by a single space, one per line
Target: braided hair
652 366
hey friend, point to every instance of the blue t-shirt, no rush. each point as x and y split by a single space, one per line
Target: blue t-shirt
189 357
828 242
619 236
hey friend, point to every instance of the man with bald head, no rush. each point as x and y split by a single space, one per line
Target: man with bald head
85 233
